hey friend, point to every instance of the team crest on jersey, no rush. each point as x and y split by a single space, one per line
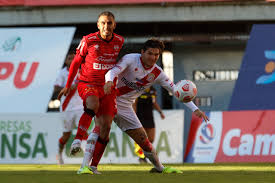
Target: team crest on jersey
150 77
96 46
116 47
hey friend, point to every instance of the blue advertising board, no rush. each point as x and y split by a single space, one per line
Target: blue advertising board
255 87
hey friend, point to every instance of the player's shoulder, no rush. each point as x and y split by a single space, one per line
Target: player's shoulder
90 37
158 68
118 37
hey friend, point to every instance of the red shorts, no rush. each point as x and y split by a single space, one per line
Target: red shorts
107 103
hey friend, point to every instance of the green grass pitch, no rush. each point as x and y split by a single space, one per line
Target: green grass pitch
192 173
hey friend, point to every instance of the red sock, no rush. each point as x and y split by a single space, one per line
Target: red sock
99 150
61 141
83 126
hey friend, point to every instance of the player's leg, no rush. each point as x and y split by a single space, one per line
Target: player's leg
89 149
151 133
105 117
105 122
90 108
140 137
90 146
61 144
90 96
149 127
151 136
67 118
128 122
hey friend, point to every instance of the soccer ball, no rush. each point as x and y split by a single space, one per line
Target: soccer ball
185 91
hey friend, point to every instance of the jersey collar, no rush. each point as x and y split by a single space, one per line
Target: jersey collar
107 41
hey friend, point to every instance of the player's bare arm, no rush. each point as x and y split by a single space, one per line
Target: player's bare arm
157 107
201 114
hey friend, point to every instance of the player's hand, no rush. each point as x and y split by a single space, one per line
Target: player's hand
64 92
162 115
201 114
108 87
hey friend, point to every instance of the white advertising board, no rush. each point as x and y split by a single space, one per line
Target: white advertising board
30 59
33 139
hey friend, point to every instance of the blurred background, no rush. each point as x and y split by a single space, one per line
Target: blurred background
207 41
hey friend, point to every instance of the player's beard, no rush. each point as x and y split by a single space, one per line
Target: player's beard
107 33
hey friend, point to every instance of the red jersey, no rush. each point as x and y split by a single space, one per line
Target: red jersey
96 57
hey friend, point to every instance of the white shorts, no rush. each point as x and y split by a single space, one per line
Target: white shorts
70 119
126 118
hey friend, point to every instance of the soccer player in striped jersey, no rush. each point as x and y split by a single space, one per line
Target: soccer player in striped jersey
71 107
135 73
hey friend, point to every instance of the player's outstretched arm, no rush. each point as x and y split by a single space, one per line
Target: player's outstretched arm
74 69
201 114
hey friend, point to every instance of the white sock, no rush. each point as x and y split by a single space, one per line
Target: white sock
153 157
89 149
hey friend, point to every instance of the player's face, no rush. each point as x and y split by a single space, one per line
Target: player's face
106 26
150 56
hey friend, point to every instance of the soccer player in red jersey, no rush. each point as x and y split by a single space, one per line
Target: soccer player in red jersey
96 54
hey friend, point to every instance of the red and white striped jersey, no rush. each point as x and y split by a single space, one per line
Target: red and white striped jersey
133 78
72 101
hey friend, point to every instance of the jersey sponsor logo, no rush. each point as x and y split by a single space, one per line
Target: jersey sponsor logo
132 85
139 81
98 66
108 54
136 86
102 59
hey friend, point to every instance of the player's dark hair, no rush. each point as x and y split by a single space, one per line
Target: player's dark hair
107 13
153 43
